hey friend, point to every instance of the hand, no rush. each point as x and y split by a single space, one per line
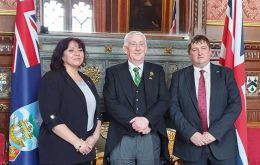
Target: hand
80 146
198 139
139 124
91 141
209 138
146 131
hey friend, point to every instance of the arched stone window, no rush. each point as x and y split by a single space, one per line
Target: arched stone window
68 15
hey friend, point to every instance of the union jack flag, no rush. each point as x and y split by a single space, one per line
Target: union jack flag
173 29
26 74
232 56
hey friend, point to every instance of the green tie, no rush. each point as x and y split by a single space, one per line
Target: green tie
137 77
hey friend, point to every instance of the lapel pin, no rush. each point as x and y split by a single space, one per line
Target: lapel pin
151 75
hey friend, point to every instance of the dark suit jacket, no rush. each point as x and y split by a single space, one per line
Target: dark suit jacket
62 102
120 103
225 106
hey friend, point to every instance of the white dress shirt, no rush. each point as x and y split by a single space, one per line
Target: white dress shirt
207 84
132 66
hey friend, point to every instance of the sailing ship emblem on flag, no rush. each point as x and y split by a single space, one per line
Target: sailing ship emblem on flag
251 84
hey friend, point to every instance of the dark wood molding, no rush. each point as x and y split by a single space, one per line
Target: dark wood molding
253 124
199 17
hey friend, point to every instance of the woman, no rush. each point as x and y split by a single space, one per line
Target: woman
68 103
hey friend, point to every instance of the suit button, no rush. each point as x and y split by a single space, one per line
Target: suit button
137 109
137 91
136 99
52 116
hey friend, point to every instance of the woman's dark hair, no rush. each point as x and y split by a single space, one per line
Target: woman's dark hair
57 64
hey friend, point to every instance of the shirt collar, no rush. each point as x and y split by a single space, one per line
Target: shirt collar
206 68
132 66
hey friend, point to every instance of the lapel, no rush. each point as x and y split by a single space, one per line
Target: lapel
214 81
148 83
125 79
75 87
189 76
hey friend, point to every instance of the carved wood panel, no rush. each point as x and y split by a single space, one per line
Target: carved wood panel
6 49
4 116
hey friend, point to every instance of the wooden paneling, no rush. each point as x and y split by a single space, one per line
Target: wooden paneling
6 51
214 32
4 116
6 23
252 54
5 60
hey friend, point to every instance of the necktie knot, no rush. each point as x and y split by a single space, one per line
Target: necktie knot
137 77
136 69
201 72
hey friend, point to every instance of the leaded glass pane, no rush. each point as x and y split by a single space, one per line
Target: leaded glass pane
82 17
54 16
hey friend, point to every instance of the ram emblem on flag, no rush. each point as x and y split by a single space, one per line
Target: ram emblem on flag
251 83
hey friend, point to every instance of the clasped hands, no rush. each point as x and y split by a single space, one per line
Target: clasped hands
141 125
199 139
85 146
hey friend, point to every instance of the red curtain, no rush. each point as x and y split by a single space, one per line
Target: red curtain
123 16
99 15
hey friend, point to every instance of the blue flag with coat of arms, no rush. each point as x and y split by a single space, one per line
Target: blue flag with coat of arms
26 74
